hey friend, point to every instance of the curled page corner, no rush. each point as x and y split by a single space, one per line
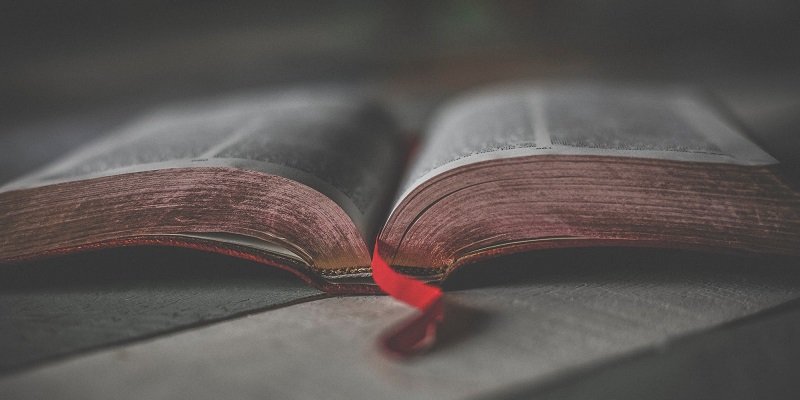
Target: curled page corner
417 334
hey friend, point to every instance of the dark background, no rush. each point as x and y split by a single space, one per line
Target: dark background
72 70
69 56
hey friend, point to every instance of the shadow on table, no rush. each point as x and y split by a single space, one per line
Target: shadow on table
751 357
65 305
632 265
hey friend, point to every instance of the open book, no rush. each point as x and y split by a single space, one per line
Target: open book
308 180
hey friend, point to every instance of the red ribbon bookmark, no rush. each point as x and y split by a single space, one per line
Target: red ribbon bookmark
419 333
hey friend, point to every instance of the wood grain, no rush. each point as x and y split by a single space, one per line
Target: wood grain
73 304
552 314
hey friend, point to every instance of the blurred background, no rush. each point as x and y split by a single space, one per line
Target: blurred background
69 70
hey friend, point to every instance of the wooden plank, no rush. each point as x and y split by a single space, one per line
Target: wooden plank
534 318
751 358
67 305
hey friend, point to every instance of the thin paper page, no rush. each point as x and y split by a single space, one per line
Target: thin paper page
593 119
326 140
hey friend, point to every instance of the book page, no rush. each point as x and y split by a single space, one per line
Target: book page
332 140
587 119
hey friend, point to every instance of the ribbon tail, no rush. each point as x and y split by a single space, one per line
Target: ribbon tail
416 334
